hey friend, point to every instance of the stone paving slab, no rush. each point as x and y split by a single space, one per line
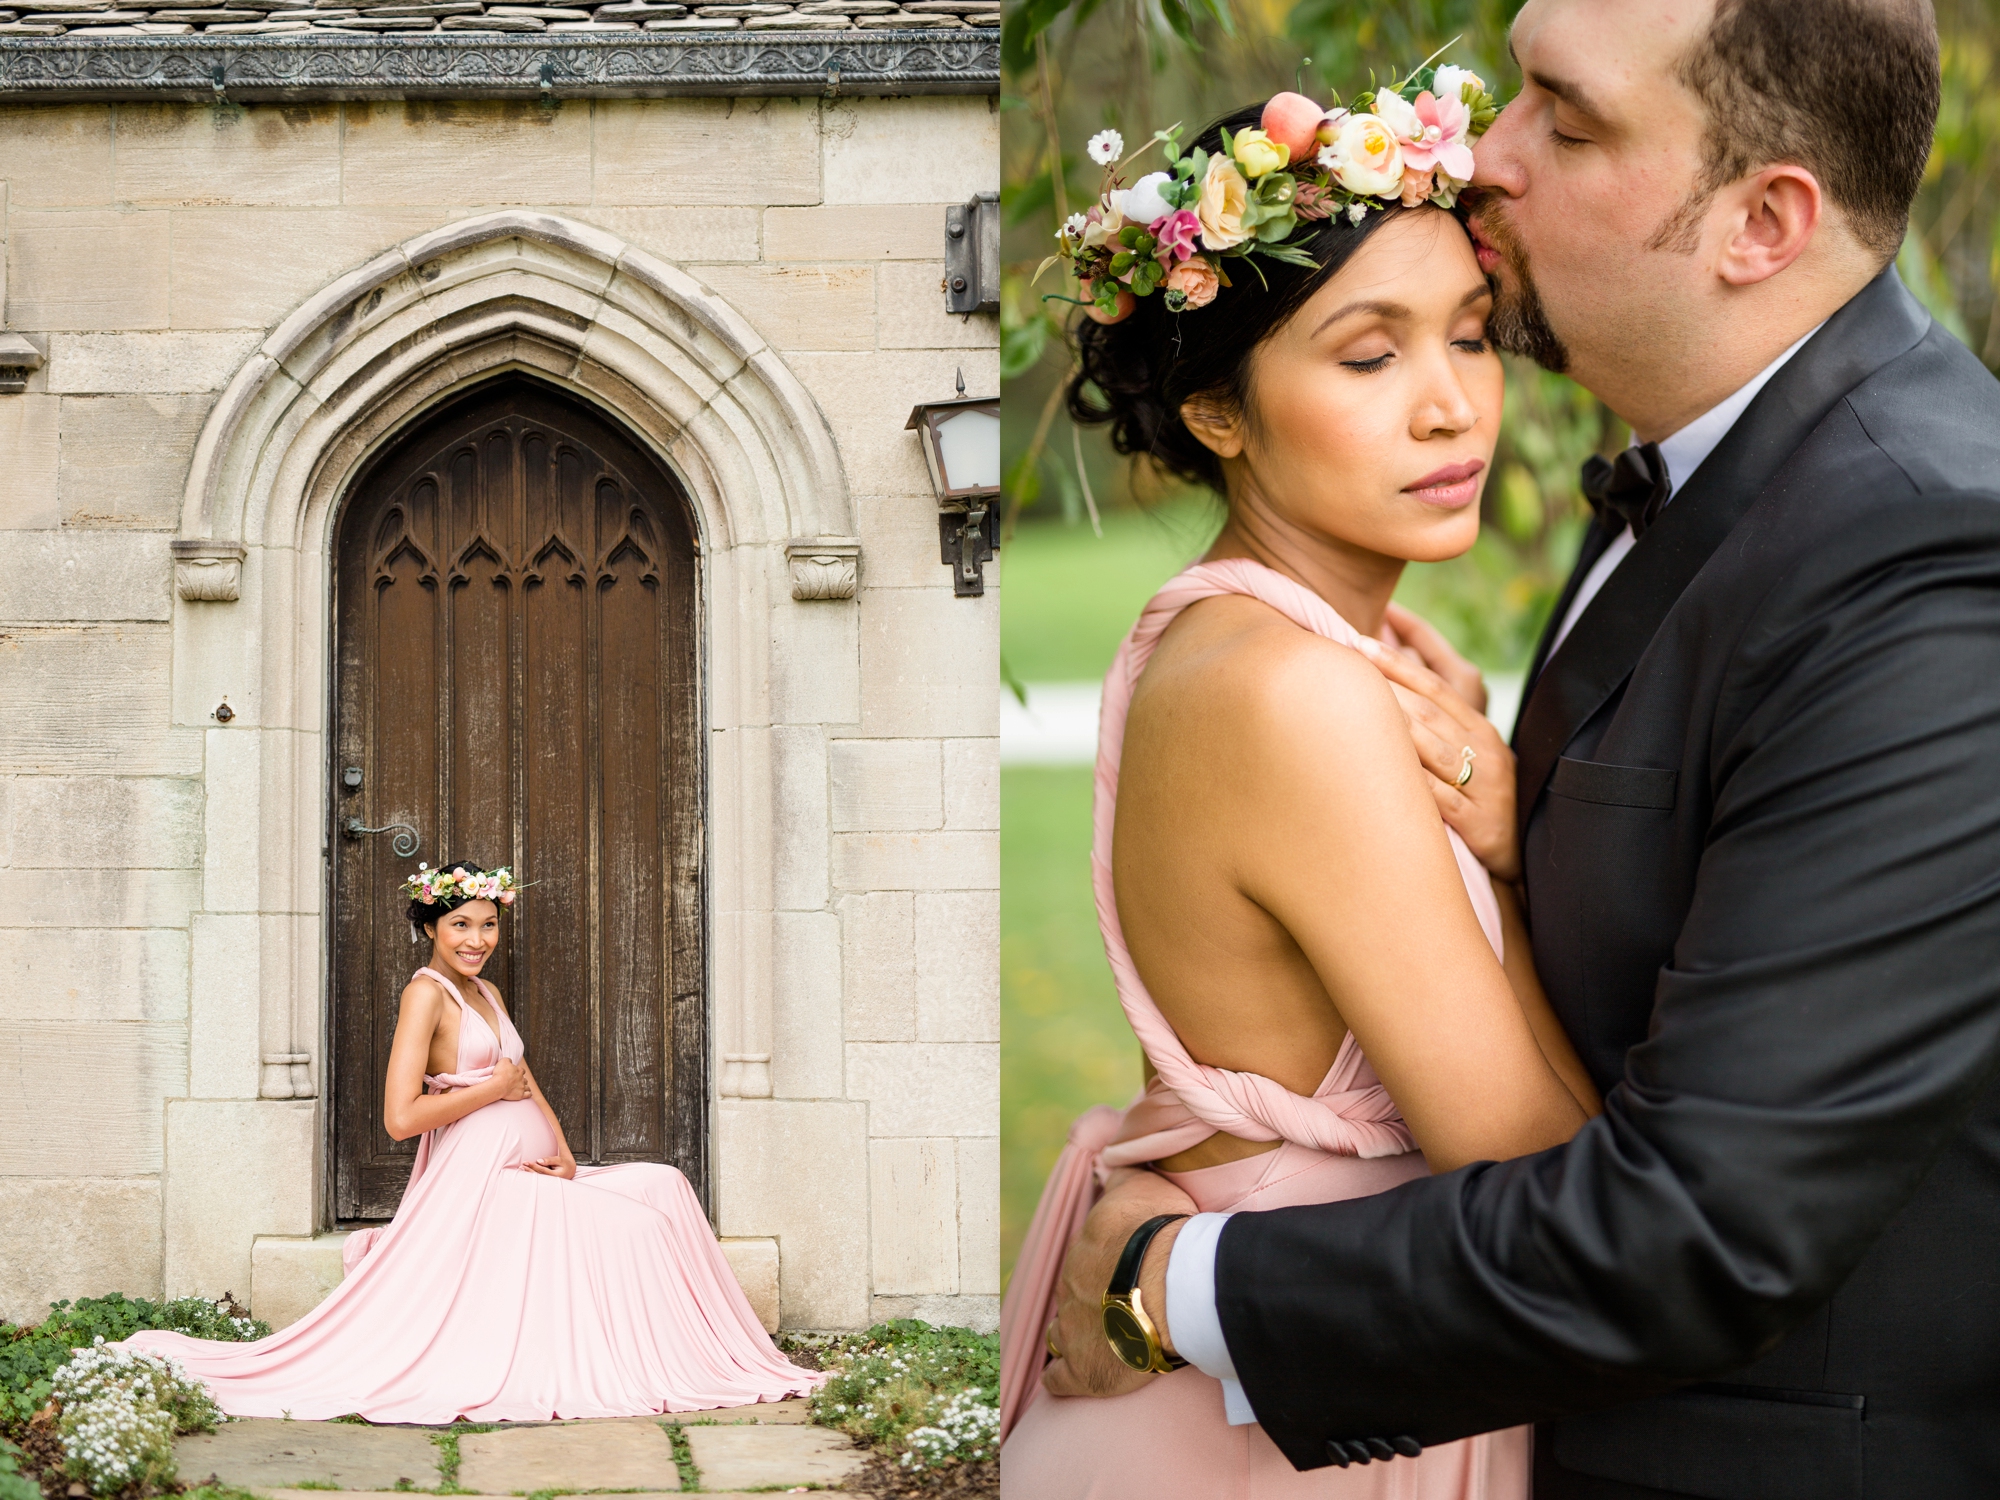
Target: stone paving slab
763 1458
267 1452
766 1413
619 1453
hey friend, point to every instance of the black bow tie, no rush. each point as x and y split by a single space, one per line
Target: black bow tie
1634 485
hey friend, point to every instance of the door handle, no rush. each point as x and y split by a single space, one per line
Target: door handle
405 843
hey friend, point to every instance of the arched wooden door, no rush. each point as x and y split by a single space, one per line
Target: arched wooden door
515 680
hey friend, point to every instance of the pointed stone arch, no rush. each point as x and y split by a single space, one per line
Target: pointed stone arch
340 378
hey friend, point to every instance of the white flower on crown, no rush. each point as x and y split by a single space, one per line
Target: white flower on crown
1356 212
1142 203
1451 81
1106 147
1073 227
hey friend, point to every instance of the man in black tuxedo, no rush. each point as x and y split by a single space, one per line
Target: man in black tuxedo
1759 791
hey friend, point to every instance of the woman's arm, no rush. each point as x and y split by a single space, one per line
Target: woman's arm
563 1163
1527 985
406 1109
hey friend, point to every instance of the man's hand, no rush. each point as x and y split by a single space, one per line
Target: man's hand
1088 1367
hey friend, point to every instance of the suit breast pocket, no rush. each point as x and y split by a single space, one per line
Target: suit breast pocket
1614 786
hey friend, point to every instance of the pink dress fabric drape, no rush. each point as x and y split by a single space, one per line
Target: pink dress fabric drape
1347 1140
498 1294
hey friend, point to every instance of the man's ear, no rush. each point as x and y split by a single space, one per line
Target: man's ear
1217 425
1773 216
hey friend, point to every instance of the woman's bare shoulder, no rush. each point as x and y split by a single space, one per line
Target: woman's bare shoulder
424 994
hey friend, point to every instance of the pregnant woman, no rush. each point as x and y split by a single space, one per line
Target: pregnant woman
512 1285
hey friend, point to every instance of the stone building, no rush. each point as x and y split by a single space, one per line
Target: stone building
494 442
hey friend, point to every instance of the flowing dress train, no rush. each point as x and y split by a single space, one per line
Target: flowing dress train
499 1294
1170 1438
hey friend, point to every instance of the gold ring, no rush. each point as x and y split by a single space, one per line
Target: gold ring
1054 1352
1465 766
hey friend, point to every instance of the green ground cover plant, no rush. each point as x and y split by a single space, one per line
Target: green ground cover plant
928 1397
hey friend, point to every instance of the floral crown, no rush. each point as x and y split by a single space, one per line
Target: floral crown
1407 142
456 886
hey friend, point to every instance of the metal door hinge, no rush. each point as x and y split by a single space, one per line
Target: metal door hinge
972 255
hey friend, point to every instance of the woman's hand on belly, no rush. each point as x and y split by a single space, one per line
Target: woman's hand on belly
562 1164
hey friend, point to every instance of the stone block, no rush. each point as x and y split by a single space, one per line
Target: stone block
289 1277
755 1266
234 1170
93 974
152 364
797 1172
86 271
881 785
83 1097
878 957
125 459
630 1453
913 1215
773 1458
930 663
979 1215
56 156
972 783
70 575
225 1056
247 270
958 966
980 1314
204 155
911 312
899 542
926 1088
106 823
103 898
264 1453
440 151
63 1238
707 151
91 700
230 844
815 663
916 861
805 1005
699 233
867 399
876 148
801 307
798 816
855 231
30 455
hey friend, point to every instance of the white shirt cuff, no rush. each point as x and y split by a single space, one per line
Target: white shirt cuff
1191 1313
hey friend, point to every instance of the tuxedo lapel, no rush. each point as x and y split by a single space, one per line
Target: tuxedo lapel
1596 538
1881 322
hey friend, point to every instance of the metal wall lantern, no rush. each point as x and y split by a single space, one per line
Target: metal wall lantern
961 441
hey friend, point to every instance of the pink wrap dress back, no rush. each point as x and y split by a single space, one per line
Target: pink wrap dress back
498 1294
1170 1438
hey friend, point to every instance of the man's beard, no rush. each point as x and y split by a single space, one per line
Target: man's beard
1518 324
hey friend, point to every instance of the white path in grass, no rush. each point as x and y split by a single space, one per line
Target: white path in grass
1057 726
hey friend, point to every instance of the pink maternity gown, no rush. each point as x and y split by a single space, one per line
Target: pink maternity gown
498 1294
1170 1438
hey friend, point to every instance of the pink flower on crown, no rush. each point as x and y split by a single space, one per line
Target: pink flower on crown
1432 132
1313 200
1177 233
506 898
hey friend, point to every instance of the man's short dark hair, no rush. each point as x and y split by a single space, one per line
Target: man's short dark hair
1848 89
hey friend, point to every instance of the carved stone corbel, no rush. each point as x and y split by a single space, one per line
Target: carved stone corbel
823 567
207 570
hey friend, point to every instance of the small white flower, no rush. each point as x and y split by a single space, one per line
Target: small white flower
1106 147
1142 203
1451 81
1073 227
1356 212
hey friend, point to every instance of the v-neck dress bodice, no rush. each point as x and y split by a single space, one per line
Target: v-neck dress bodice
500 1294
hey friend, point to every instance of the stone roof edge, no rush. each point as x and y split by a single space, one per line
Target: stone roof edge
299 68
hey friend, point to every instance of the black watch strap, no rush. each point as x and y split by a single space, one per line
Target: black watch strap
1127 1275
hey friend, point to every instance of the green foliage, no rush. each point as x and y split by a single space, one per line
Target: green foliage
683 1456
14 1485
30 1356
905 1378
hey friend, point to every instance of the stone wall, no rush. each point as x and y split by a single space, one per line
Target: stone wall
160 897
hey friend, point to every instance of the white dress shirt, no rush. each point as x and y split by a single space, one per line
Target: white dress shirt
1192 1320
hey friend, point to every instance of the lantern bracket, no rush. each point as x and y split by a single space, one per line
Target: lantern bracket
967 539
972 255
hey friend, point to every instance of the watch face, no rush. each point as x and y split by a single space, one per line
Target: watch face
1128 1336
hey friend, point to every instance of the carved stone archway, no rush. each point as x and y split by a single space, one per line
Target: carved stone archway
339 378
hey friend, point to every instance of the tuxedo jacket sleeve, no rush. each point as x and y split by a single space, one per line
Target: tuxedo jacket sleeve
1829 1013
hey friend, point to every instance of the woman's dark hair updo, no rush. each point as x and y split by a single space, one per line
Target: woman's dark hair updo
425 913
1135 374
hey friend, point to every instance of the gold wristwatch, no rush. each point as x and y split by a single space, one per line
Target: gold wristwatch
1126 1323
